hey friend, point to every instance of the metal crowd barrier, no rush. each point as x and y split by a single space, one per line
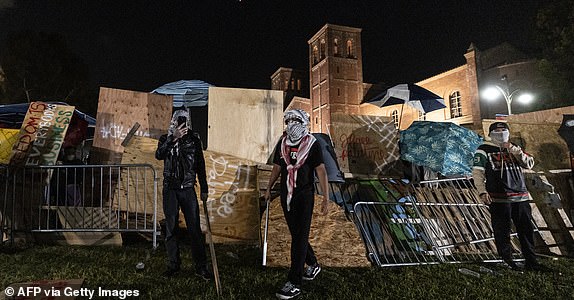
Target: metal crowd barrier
430 222
78 198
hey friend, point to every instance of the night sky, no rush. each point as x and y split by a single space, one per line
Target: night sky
140 45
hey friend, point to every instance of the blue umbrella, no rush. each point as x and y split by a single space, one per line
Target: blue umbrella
441 146
186 92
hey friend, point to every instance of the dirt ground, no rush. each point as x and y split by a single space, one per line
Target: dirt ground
335 240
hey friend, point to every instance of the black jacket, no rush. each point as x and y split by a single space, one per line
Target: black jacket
183 162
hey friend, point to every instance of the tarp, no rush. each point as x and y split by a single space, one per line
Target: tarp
186 92
12 115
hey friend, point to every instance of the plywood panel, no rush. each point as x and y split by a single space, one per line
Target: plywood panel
233 202
365 144
244 123
119 110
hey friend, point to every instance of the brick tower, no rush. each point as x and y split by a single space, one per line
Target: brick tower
336 74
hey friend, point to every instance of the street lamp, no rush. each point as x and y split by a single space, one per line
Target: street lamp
494 92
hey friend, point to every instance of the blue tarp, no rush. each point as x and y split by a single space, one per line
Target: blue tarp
186 92
12 115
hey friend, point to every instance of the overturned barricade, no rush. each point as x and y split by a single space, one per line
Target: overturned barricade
430 222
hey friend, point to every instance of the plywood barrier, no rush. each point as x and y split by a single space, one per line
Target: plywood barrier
365 145
119 110
233 201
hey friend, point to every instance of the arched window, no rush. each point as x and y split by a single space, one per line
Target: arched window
395 116
286 87
298 84
322 49
455 103
336 47
315 54
350 49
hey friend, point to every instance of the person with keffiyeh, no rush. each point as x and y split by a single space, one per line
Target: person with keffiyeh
297 159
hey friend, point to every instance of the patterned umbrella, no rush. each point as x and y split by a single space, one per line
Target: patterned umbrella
442 146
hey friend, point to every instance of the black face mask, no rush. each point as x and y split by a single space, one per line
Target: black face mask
181 120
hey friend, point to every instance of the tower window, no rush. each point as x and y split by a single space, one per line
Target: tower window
350 50
336 47
337 69
298 84
315 54
286 87
338 92
395 116
455 103
322 49
316 120
292 84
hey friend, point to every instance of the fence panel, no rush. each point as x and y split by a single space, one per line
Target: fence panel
78 198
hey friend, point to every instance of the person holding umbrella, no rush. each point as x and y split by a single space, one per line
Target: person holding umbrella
297 157
498 176
182 154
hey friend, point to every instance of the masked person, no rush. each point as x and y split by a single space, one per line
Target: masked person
498 176
297 157
183 160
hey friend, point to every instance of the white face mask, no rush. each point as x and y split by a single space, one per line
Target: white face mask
500 137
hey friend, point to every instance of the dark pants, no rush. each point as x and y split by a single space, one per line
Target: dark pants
299 222
521 214
173 199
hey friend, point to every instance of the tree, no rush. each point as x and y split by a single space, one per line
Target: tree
555 37
41 67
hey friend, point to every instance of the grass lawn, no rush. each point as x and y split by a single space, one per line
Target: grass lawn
243 277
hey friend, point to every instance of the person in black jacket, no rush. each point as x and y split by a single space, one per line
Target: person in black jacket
181 152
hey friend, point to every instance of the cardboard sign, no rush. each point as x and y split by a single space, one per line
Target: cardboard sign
41 135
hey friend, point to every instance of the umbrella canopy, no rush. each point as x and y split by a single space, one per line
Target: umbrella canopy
411 94
444 147
186 92
566 131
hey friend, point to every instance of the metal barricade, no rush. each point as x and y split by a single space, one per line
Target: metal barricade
78 198
429 222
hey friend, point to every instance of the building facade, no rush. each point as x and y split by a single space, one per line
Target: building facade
336 83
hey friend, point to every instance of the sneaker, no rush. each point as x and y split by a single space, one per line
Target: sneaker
205 274
288 291
170 272
510 264
311 272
